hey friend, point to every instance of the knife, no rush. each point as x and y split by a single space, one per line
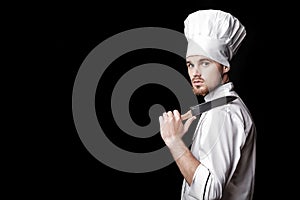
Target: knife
205 106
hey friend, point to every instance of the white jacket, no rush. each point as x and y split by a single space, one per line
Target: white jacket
225 144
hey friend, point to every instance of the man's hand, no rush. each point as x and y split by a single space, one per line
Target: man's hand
172 130
171 126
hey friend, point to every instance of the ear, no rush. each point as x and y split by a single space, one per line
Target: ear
225 69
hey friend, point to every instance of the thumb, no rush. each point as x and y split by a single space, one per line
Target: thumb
188 123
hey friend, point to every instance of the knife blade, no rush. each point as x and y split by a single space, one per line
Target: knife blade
205 106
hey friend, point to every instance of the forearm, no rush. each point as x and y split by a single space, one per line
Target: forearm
187 165
185 160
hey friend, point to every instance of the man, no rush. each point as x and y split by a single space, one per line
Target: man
222 158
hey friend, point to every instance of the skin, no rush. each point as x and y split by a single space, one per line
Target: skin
205 75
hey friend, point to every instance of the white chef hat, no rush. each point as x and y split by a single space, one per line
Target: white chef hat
213 33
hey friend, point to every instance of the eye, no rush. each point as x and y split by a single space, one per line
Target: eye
205 63
189 65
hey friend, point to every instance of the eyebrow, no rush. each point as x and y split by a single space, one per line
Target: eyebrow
205 59
200 60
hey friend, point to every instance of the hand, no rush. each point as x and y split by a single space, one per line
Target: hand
172 129
171 126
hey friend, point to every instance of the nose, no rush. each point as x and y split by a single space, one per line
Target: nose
196 71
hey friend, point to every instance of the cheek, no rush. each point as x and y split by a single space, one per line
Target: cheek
212 77
190 74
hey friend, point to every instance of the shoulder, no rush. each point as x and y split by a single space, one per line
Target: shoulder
235 112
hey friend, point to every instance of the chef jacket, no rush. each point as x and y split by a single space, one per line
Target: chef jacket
225 144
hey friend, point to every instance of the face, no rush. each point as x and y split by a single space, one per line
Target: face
205 74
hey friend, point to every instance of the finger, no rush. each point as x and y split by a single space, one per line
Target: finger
170 114
186 115
160 120
165 115
188 123
176 114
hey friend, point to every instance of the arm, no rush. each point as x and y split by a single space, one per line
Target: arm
187 165
172 130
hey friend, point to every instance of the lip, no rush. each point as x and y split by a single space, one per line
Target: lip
197 82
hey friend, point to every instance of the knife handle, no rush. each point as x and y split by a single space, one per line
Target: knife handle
187 115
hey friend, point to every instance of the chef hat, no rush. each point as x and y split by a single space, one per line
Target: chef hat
213 33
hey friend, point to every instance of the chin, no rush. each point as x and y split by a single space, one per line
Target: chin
201 91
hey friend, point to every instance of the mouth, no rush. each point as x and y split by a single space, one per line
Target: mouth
197 82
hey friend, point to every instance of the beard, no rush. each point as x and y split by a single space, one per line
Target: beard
200 90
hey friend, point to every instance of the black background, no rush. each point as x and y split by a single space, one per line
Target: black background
61 167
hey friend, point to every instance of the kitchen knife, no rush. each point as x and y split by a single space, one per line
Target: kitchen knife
205 106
